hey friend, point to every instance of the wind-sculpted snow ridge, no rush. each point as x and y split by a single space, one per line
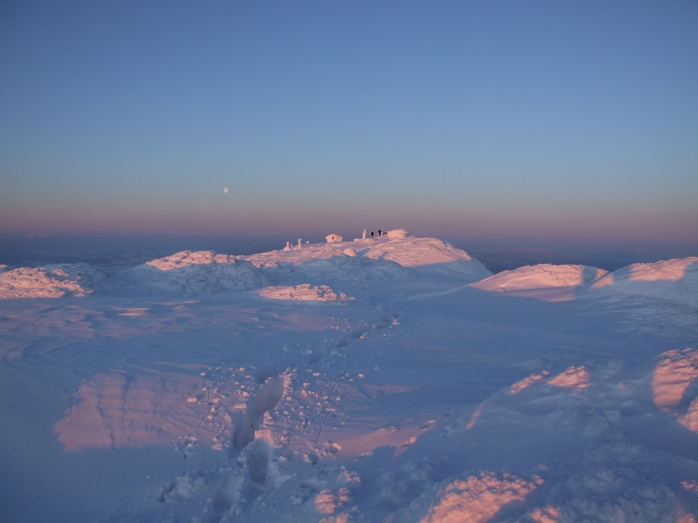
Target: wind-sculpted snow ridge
304 293
673 280
429 255
49 281
544 281
187 272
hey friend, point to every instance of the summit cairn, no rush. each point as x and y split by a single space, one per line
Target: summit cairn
334 238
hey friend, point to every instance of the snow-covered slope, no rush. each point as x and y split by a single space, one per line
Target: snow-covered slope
673 280
544 281
187 272
50 281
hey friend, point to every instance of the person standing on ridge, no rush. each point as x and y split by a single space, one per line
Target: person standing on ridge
379 232
371 234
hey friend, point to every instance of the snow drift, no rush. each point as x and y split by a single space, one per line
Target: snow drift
673 280
544 281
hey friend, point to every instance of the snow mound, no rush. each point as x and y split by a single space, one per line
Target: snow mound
190 259
429 255
543 281
543 276
303 293
397 234
190 272
475 499
673 280
50 281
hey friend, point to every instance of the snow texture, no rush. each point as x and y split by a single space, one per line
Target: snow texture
303 293
188 273
211 388
50 281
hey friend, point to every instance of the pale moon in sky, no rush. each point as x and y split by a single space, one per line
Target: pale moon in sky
225 190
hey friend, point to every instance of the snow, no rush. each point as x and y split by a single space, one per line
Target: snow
187 273
674 280
219 388
574 378
50 281
303 293
477 499
544 281
397 234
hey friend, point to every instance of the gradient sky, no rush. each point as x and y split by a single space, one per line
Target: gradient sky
491 119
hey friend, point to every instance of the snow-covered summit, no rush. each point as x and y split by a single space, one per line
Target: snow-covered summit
675 280
392 256
190 272
421 254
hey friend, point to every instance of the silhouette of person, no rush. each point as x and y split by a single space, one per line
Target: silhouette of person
379 232
371 234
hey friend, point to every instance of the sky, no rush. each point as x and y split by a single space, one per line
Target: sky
567 120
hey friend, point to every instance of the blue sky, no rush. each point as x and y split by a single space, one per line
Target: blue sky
491 119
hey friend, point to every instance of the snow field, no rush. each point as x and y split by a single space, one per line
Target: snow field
188 390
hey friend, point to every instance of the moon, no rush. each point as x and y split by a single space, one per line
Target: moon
225 190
